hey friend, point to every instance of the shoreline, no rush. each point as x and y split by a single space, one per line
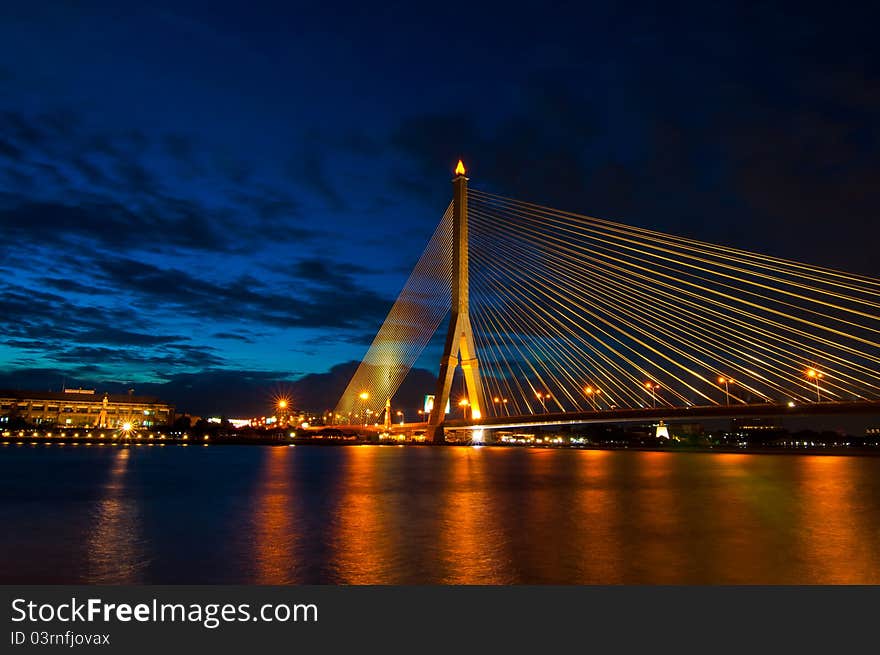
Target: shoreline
36 440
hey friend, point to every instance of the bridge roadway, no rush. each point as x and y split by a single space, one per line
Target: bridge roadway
641 415
644 414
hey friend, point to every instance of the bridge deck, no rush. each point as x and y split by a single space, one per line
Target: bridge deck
672 413
640 415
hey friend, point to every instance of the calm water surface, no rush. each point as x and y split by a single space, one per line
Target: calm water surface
369 514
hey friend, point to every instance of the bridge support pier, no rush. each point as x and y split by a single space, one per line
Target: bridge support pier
459 338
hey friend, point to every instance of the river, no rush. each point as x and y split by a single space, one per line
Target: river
433 515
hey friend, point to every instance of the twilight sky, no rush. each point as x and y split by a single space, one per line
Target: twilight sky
216 201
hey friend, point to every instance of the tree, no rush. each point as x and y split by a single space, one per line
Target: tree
182 423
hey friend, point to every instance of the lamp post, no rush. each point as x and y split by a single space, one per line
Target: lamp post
282 406
592 394
726 382
364 396
543 397
652 387
400 414
464 404
815 375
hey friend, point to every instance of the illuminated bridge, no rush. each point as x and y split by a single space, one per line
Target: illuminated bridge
557 318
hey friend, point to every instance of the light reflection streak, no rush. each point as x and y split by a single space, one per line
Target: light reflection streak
117 552
364 546
472 546
837 542
275 536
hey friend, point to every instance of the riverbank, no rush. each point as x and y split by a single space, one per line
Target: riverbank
117 441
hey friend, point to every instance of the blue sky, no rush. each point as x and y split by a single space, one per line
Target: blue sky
204 196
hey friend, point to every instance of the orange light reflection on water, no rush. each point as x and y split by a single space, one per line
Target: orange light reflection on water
363 550
838 534
275 534
116 551
472 548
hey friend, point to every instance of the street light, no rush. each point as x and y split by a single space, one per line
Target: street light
815 375
500 401
365 396
590 392
726 382
652 386
463 403
543 397
281 409
400 414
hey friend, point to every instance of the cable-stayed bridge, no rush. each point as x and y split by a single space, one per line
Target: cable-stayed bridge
556 317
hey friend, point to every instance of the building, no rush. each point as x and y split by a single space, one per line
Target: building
754 430
83 408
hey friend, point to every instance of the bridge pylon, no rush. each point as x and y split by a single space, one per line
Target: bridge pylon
459 338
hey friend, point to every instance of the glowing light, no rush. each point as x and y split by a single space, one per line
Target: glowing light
476 414
364 395
459 169
282 404
126 427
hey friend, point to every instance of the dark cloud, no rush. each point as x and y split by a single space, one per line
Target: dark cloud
108 225
55 328
233 337
9 150
69 285
338 301
120 337
114 188
162 359
21 129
